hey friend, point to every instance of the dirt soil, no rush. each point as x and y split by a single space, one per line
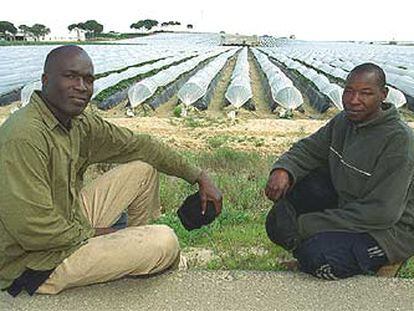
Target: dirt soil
261 135
200 131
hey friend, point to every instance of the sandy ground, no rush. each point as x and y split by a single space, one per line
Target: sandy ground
198 132
201 131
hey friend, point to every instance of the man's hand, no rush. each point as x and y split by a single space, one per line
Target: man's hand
278 184
103 231
209 192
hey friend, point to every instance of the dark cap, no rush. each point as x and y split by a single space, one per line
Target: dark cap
190 212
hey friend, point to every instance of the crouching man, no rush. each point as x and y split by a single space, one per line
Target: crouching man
344 195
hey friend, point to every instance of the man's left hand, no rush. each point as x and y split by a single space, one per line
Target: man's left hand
209 192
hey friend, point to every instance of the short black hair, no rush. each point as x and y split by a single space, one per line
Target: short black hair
372 68
56 53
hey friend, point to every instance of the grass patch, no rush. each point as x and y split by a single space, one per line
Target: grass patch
177 111
237 238
217 141
235 162
200 119
407 271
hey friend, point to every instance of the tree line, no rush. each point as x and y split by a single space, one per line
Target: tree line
91 27
7 29
148 24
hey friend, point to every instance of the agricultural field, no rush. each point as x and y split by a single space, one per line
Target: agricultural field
230 110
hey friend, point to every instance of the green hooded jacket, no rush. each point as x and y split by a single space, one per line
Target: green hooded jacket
372 169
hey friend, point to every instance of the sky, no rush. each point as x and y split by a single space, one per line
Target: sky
307 20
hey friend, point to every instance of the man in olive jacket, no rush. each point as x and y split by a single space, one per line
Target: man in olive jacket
344 194
56 233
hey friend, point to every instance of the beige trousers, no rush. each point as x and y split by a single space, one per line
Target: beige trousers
139 249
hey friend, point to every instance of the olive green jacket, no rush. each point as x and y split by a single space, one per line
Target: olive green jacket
372 169
41 174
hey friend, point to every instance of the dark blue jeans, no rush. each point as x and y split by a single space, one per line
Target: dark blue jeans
122 221
338 255
328 255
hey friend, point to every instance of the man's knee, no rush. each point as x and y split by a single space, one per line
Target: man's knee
142 168
325 262
281 225
166 242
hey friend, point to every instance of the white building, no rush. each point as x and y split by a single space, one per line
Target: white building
76 34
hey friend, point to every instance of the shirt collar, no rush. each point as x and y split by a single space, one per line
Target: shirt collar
47 115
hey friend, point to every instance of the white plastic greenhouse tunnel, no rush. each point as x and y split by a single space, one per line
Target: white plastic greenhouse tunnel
20 65
239 90
196 87
144 89
338 59
284 93
331 90
113 79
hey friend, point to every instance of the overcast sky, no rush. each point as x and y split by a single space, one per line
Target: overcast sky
308 20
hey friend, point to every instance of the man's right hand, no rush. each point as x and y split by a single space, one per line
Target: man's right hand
278 184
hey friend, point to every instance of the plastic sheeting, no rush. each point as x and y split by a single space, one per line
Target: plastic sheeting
196 87
116 77
177 39
282 89
403 83
107 81
239 90
333 91
143 90
20 65
113 79
28 90
396 97
337 59
322 83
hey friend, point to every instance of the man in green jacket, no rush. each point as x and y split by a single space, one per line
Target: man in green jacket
344 195
54 232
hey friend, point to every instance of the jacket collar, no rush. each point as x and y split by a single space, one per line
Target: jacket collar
388 113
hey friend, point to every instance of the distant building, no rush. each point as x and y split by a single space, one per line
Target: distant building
229 39
20 36
76 34
80 34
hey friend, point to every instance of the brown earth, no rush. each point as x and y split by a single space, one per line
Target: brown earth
199 131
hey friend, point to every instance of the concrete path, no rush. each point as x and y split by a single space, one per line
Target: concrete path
226 290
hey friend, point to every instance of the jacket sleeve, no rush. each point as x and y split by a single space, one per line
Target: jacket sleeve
113 144
307 154
27 211
384 198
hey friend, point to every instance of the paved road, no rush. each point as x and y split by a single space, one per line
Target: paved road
226 290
